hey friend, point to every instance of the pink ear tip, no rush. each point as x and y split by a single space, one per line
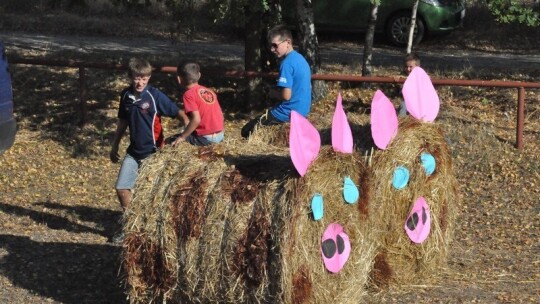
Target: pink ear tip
384 121
420 96
304 142
342 140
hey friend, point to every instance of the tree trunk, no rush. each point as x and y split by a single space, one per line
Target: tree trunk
309 45
412 26
252 61
368 45
271 18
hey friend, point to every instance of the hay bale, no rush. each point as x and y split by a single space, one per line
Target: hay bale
150 255
399 260
275 135
304 278
232 223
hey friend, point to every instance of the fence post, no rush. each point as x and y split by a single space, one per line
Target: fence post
82 96
520 118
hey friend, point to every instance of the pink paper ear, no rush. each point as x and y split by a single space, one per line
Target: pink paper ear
335 247
420 96
418 223
342 140
304 142
384 121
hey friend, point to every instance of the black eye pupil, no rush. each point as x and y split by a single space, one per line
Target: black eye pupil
412 221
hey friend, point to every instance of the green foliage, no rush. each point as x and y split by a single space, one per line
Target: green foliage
183 15
236 11
514 11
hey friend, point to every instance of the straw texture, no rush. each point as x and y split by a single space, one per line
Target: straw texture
232 223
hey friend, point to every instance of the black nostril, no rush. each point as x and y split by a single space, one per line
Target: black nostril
340 244
329 248
412 222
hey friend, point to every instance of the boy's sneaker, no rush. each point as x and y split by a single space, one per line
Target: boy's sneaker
118 238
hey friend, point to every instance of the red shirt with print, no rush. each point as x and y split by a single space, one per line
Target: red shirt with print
204 100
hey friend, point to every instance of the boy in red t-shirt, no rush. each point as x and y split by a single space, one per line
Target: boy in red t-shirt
204 120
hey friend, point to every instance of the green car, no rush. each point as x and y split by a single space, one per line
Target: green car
393 18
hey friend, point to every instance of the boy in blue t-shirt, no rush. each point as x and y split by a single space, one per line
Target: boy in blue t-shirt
141 108
293 86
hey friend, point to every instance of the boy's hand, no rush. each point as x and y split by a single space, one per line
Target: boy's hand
178 141
114 156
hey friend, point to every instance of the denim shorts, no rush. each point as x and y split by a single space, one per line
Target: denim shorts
205 140
128 173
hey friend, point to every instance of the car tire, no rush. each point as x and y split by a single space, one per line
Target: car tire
397 29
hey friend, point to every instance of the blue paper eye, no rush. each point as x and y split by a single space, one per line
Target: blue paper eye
401 177
350 191
428 162
317 206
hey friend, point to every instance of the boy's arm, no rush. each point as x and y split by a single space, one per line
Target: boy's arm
183 118
194 121
121 127
283 90
280 93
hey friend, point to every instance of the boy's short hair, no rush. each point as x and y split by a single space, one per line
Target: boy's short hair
413 57
139 67
279 30
189 71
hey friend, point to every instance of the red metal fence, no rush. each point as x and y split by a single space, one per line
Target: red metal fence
520 86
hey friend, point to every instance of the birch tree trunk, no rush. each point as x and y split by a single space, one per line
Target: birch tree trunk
368 44
309 45
412 26
271 18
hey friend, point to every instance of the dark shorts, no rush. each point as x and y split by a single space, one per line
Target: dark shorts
8 130
265 119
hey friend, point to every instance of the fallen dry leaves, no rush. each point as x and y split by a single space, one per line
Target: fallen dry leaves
58 209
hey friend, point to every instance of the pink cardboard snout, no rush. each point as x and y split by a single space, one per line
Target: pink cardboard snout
418 224
335 247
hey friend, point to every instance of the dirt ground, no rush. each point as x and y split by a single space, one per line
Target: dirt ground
58 209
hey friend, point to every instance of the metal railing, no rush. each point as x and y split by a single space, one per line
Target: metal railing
520 86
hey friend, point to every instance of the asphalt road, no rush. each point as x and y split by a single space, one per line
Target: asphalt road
232 54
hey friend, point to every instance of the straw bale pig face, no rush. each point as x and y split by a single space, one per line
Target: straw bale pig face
422 103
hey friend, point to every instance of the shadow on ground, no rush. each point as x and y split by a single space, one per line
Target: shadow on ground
104 222
65 272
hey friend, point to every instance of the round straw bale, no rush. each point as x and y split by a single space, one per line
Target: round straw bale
304 277
237 228
232 223
151 224
399 260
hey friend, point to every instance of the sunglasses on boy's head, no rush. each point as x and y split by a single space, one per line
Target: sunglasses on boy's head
140 78
275 45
